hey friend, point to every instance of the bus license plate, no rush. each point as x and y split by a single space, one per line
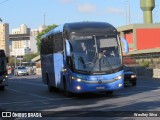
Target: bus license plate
100 88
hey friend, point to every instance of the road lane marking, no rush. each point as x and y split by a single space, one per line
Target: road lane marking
35 101
32 94
40 96
30 83
156 90
14 90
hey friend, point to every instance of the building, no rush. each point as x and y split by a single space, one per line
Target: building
143 38
34 32
19 44
21 30
4 37
23 40
20 41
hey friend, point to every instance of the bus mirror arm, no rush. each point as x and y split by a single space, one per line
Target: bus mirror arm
68 48
126 46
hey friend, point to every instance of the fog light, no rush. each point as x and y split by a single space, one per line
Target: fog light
119 85
78 88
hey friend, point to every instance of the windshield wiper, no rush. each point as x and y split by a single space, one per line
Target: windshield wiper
108 63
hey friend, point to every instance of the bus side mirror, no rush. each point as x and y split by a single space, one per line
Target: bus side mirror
126 46
68 48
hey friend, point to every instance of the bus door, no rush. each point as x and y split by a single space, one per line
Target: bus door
58 66
58 60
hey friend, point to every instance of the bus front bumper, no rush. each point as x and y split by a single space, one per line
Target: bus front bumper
81 87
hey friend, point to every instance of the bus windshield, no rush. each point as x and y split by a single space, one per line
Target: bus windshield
96 54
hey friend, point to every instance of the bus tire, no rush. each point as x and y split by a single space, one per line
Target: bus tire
67 93
50 88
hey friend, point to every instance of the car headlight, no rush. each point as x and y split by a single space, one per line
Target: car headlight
77 79
133 76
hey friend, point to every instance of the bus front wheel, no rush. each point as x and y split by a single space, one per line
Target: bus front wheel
67 93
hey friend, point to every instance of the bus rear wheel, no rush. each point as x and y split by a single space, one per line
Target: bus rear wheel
50 88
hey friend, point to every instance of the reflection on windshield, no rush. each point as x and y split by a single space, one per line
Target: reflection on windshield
20 68
96 53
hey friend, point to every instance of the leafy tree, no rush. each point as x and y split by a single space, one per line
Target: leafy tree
145 63
29 57
50 27
11 60
26 58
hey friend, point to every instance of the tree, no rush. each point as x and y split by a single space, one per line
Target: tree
11 61
29 57
26 58
38 38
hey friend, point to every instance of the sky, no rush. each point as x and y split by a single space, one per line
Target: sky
31 12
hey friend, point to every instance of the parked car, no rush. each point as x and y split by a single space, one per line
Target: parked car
21 70
129 77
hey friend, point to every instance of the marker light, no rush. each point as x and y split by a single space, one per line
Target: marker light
78 88
119 85
77 79
64 70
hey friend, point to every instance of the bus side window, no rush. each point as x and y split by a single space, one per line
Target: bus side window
69 62
58 43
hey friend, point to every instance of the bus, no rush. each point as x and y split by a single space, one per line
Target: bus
3 70
82 57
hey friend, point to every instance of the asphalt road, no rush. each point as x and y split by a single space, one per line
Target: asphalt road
28 93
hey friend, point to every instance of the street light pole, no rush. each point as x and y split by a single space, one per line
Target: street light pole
15 61
129 12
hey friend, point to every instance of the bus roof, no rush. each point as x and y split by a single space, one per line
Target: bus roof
83 27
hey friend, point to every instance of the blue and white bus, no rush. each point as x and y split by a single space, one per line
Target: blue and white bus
82 57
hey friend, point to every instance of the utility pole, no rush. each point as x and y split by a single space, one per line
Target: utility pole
129 17
127 12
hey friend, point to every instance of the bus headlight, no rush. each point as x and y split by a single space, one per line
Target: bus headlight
78 87
133 76
119 77
77 79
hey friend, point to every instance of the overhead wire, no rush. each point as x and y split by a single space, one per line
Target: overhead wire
4 1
